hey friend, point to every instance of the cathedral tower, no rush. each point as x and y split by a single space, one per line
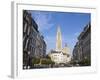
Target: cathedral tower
58 40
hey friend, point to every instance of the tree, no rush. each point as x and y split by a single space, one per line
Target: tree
48 57
85 62
46 61
35 61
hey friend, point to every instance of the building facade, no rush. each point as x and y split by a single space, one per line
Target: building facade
82 49
33 42
59 57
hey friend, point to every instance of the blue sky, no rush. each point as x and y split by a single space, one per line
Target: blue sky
71 24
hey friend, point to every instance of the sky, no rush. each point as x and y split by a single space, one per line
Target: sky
71 25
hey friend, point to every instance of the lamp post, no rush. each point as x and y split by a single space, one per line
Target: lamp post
28 66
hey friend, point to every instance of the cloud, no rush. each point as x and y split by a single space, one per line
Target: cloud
43 20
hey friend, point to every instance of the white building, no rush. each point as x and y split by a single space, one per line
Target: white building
59 57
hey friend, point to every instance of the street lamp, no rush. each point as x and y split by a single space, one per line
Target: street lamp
28 64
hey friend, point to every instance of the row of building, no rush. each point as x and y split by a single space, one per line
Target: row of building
82 49
34 45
